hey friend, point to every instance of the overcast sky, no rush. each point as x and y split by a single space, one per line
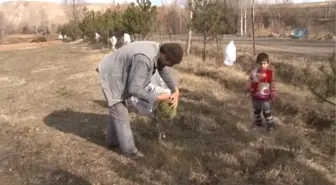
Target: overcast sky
156 2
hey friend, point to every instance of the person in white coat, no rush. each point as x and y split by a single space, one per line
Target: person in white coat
97 37
113 41
127 38
230 54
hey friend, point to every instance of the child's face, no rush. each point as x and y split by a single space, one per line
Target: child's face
264 65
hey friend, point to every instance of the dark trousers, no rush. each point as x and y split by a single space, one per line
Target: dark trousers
262 107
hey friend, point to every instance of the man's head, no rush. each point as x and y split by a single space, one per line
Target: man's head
170 54
263 60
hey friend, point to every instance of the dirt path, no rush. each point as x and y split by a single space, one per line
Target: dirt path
27 45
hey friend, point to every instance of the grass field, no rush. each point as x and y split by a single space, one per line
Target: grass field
53 120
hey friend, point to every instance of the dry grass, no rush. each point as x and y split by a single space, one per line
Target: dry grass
53 117
23 39
27 45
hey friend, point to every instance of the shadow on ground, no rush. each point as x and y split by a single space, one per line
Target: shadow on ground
89 126
203 146
35 169
198 132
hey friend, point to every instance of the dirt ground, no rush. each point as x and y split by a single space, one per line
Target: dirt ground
23 41
53 119
27 45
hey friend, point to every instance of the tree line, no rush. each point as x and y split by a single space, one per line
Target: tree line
142 19
137 19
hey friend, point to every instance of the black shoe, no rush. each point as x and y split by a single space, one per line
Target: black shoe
112 147
270 127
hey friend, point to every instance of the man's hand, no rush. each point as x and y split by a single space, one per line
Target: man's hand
163 97
174 98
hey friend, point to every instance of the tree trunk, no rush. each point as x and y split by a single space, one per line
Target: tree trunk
253 37
159 35
245 20
217 41
241 19
169 34
108 40
190 28
204 46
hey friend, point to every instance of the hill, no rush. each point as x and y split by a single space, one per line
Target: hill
19 14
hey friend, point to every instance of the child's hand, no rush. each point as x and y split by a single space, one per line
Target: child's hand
247 90
273 95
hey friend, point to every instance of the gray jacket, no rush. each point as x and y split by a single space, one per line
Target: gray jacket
126 72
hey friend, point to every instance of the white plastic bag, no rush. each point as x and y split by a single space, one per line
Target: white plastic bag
158 81
144 108
230 54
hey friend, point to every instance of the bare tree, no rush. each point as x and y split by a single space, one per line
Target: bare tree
323 87
44 20
73 9
206 18
330 8
241 18
175 19
190 26
253 36
2 25
243 14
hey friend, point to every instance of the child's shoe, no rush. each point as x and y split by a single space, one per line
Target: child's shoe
257 123
270 127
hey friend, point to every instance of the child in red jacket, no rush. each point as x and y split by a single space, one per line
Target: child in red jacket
261 86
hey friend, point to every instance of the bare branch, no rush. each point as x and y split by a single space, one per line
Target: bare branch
332 64
324 87
322 98
322 69
73 9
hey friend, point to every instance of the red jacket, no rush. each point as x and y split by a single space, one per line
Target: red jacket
261 84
